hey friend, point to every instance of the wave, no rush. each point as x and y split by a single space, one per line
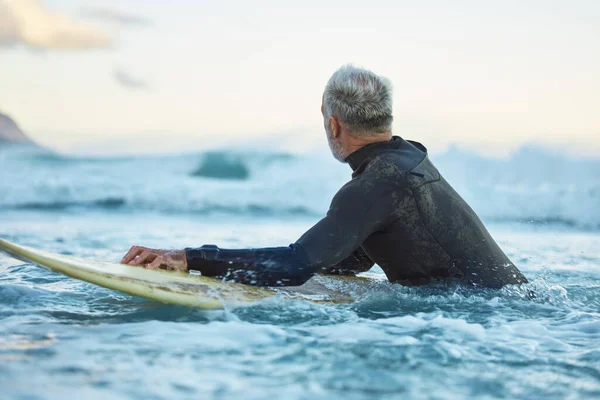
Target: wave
537 221
533 186
235 166
221 165
256 210
107 203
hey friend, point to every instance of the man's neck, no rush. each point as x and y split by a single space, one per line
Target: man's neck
355 142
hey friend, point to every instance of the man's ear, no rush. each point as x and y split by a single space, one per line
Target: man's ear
335 127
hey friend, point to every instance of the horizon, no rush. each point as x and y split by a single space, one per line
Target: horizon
164 145
487 79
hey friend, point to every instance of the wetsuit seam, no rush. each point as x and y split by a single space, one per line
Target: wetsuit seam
425 183
426 227
439 176
362 223
306 254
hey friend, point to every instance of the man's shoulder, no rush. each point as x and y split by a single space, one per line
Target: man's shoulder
366 187
397 160
387 168
399 169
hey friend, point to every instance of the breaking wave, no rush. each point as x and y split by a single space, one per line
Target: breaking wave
533 186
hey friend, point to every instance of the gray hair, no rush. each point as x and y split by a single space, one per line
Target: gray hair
359 98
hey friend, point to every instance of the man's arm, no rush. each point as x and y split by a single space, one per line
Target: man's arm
278 266
275 266
361 208
355 213
356 262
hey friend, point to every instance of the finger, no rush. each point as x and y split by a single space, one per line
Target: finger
144 258
132 253
128 254
158 261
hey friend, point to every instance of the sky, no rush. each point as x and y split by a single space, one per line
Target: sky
150 75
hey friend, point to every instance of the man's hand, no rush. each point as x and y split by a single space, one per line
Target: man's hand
156 258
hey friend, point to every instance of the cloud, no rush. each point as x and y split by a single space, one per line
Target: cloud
115 16
128 81
30 23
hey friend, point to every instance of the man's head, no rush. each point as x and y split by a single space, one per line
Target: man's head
357 110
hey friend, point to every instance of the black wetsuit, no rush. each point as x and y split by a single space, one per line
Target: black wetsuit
398 212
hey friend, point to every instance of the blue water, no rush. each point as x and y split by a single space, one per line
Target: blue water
62 338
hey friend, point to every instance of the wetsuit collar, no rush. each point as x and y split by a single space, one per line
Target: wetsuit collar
365 153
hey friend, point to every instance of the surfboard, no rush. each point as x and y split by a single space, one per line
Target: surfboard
183 288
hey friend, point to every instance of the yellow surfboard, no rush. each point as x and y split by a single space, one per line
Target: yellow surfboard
184 288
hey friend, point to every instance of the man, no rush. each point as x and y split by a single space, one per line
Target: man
397 211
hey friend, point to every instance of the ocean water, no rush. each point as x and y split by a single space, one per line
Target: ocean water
62 338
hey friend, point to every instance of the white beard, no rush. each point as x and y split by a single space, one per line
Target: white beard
335 147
